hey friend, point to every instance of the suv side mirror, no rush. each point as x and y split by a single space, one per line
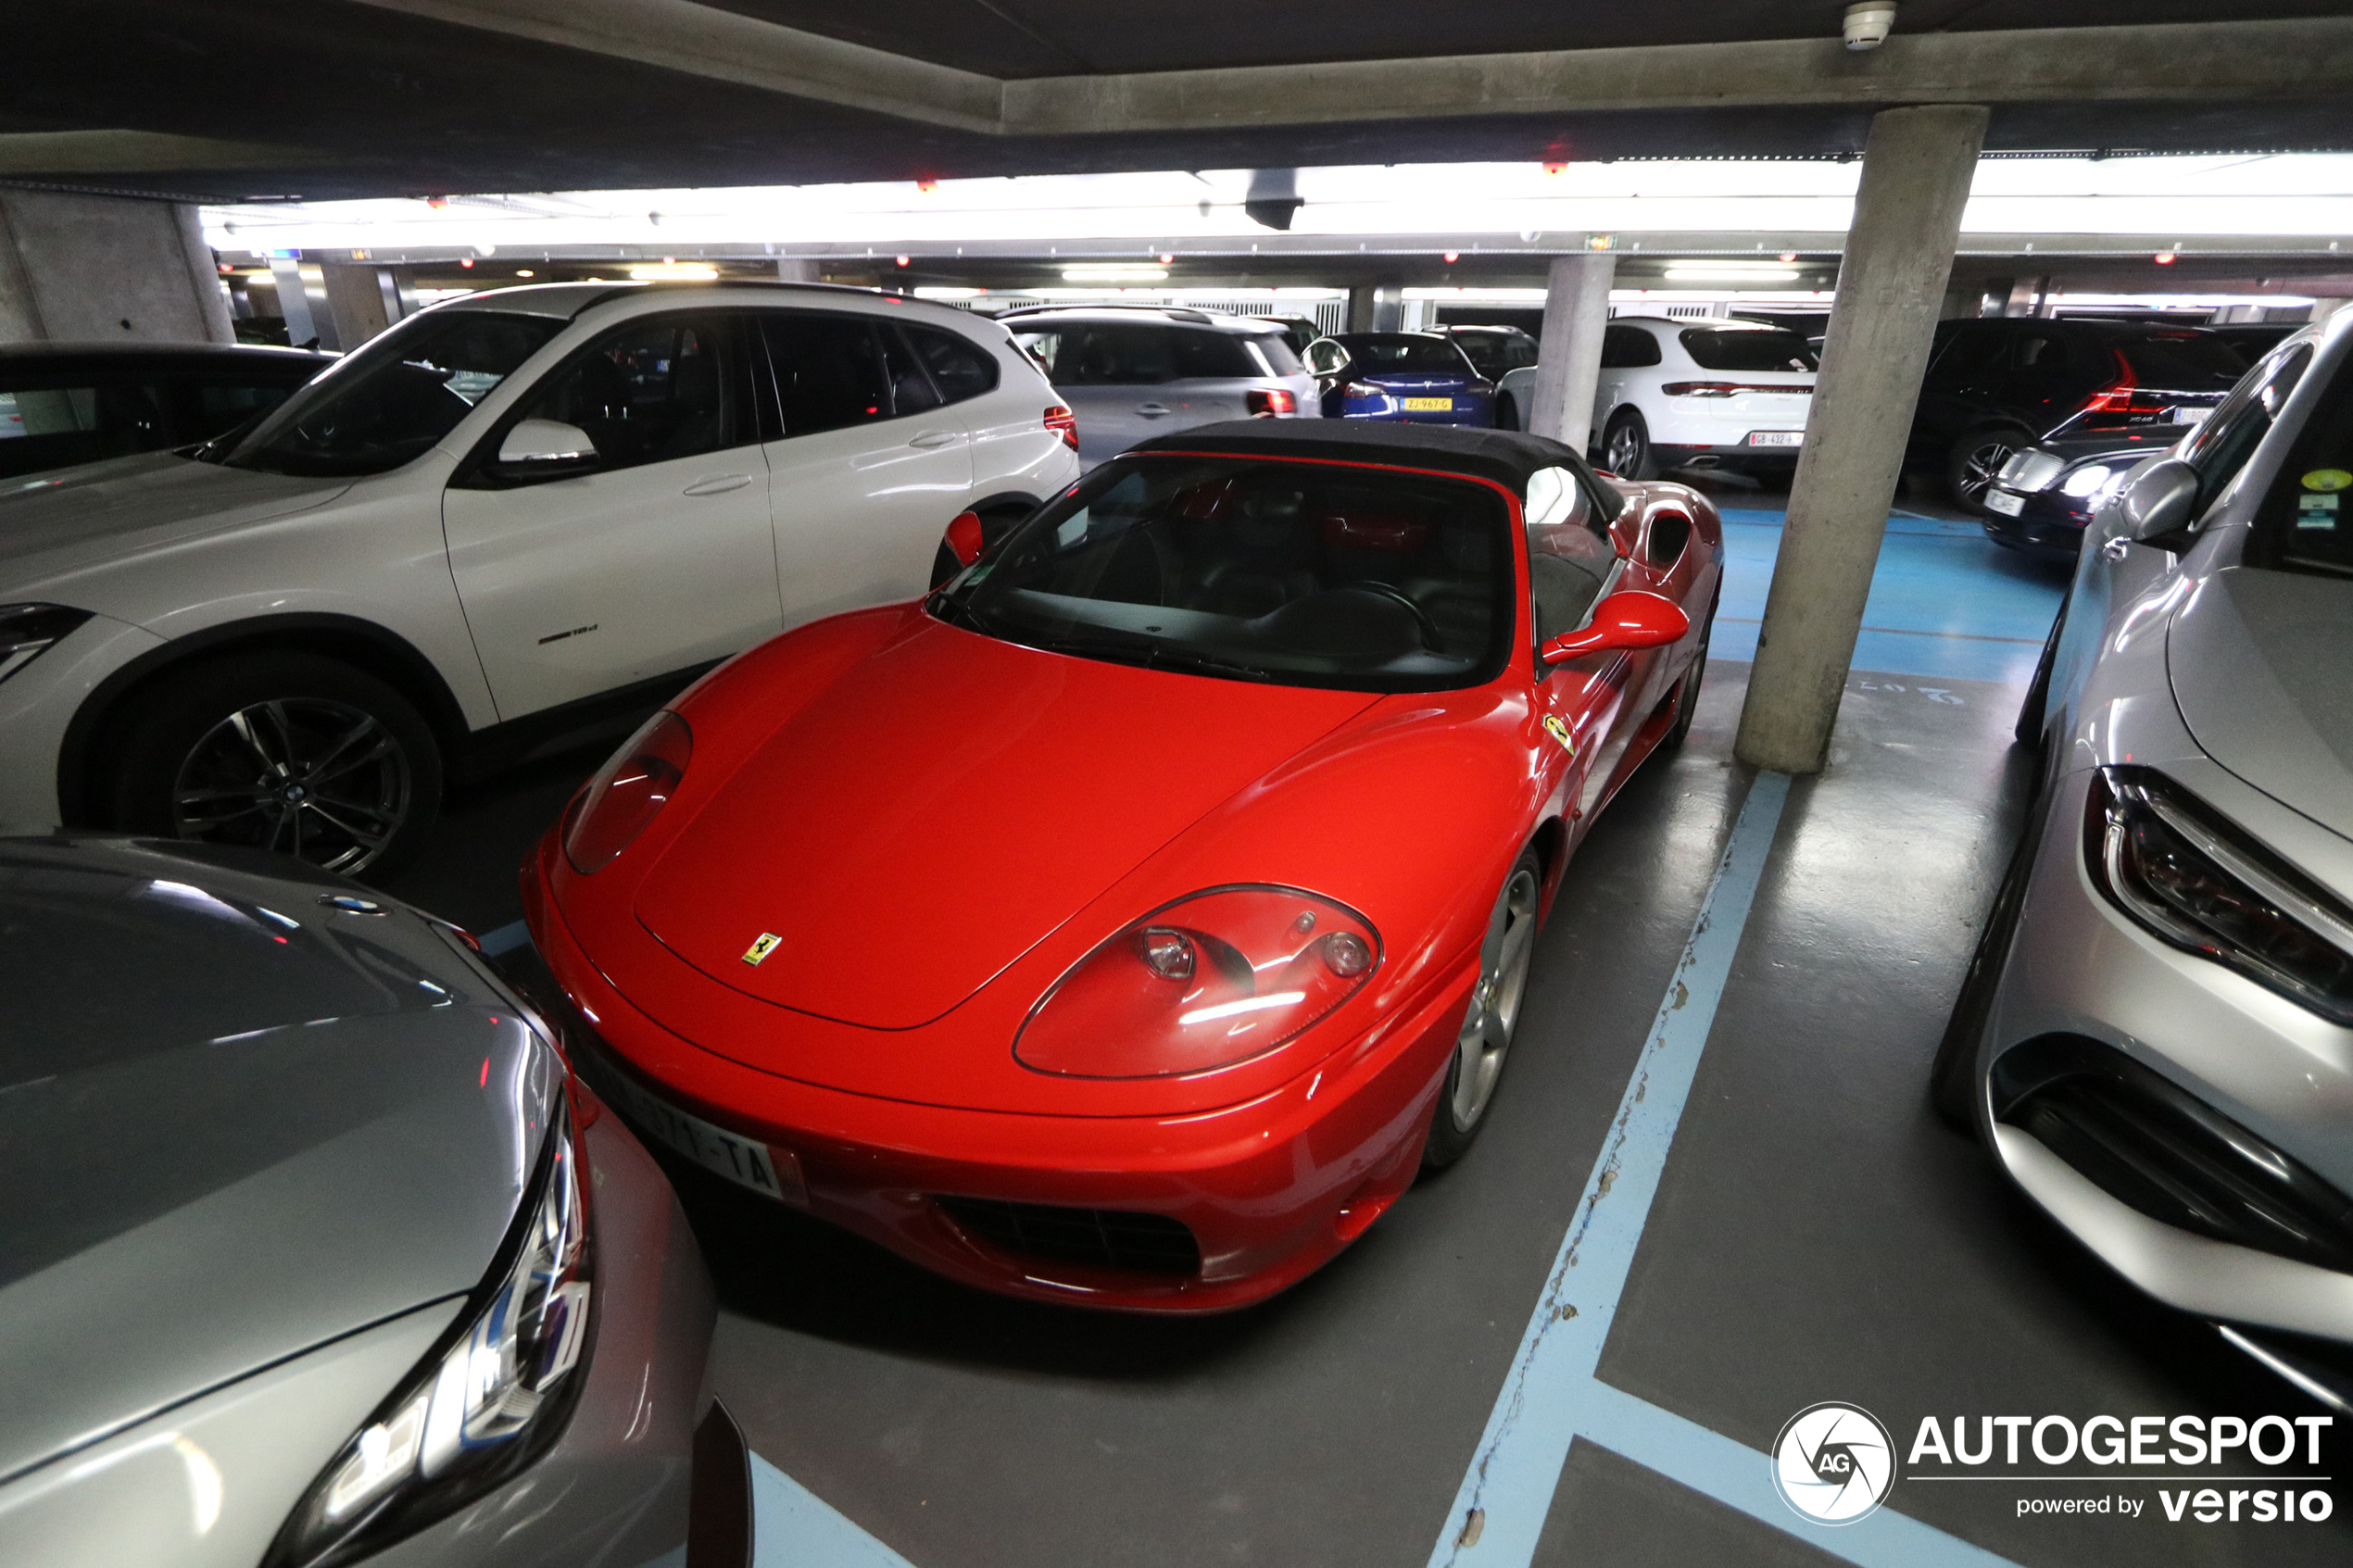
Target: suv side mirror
1631 619
2158 501
546 447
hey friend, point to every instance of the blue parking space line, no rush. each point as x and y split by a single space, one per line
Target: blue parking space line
1499 1510
1737 1475
793 1528
506 939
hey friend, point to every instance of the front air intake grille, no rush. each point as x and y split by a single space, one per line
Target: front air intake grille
2152 1145
1103 1238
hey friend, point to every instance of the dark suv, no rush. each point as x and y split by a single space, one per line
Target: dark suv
1996 385
62 403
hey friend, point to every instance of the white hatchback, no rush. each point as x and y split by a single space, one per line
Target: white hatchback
1706 393
492 528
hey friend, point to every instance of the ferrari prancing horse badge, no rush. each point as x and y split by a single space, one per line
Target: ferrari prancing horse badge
761 949
1557 727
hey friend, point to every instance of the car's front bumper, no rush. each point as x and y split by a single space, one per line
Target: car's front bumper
1270 1189
2080 969
2046 524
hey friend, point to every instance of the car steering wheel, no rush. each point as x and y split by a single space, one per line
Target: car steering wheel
1425 627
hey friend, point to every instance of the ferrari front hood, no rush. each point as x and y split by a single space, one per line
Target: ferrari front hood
945 803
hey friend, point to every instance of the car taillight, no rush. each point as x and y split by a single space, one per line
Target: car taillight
1064 423
1362 389
1206 982
1267 402
2125 394
628 793
1730 388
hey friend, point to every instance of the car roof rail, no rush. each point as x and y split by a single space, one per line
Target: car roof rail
1175 312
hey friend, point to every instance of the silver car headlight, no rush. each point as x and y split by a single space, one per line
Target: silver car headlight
2173 864
27 631
487 1401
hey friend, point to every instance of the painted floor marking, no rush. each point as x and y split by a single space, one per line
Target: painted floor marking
793 1528
1552 1396
506 939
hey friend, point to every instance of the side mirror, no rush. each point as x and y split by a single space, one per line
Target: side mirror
964 540
547 446
2158 501
1627 620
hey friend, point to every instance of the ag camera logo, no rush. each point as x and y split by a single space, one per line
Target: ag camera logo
1834 1464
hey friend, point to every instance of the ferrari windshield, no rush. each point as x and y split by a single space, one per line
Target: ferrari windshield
1301 573
391 401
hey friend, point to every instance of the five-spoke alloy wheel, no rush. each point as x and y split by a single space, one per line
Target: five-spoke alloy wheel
1492 1018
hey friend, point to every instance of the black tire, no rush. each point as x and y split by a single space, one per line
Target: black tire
1976 457
1626 446
1952 1077
1507 413
1492 1019
283 750
1687 694
2028 728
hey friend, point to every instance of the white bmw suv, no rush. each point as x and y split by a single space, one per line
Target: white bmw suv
506 521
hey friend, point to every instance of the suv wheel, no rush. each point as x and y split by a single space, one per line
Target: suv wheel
1626 446
288 752
1976 459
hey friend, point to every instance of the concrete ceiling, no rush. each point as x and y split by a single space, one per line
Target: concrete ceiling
244 98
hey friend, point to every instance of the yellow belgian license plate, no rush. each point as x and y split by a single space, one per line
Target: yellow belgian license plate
1428 404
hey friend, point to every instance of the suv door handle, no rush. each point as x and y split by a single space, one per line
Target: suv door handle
1152 410
932 438
718 485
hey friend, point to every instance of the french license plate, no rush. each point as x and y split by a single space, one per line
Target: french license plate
1426 405
770 1172
2002 501
1777 438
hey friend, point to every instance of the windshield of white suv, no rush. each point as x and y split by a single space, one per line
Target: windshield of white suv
1300 573
389 402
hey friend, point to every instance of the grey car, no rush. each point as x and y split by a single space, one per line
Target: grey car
2155 1036
309 1253
1130 373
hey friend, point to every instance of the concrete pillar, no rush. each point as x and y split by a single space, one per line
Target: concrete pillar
82 269
1908 218
361 301
1376 307
1568 355
302 300
2026 296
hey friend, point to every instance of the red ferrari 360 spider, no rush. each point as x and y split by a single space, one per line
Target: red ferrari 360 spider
1127 921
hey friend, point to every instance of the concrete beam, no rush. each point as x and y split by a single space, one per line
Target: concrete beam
2210 61
1915 179
51 154
85 269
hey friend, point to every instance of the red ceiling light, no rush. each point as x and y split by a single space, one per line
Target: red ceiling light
905 261
1167 257
1453 256
465 261
2164 258
1789 256
928 187
1553 166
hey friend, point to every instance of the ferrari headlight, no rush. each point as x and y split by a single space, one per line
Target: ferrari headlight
1205 981
2089 480
27 631
2173 864
484 1404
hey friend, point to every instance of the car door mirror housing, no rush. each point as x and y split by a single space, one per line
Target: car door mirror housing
1630 618
963 538
2157 503
545 447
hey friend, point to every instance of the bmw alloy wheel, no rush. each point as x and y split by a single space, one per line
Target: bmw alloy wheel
304 776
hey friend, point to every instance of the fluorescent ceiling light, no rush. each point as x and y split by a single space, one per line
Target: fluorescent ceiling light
691 271
930 293
1730 272
1112 271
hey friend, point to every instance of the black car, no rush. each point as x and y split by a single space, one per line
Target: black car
1997 386
2045 494
2255 338
63 404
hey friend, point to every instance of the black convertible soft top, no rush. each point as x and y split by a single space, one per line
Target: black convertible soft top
1506 457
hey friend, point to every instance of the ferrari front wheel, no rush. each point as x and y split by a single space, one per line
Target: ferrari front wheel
1490 1020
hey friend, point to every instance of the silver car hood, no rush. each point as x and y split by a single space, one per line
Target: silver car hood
235 1124
2261 664
76 518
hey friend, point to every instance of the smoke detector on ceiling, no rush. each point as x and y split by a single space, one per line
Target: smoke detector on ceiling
1869 24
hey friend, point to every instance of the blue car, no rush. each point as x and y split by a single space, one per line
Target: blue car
1405 378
